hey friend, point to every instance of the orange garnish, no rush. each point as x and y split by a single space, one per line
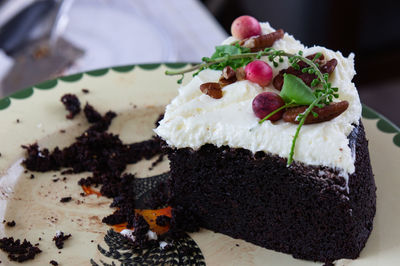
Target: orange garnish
89 191
119 227
151 215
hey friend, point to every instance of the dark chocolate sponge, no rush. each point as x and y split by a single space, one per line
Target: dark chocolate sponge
302 210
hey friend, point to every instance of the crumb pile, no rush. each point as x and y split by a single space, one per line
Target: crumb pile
104 155
18 251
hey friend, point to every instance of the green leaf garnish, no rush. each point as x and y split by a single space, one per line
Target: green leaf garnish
226 51
296 91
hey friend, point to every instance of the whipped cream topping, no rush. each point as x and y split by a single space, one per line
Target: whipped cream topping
193 119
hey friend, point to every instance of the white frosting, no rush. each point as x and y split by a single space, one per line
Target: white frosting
193 119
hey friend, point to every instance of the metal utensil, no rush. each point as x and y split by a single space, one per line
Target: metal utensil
44 58
16 31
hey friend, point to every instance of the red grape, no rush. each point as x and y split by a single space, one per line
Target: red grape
266 102
244 27
259 72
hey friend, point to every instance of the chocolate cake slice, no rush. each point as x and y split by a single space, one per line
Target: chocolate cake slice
234 174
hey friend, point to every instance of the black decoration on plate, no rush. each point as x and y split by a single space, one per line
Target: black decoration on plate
179 251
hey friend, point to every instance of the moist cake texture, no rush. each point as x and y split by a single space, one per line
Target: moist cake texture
230 173
301 210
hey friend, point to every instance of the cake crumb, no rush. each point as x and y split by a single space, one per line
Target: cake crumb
62 131
163 220
18 121
65 199
32 176
60 238
18 251
156 162
56 180
54 263
86 91
11 224
72 104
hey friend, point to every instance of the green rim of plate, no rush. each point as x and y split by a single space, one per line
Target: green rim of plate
383 124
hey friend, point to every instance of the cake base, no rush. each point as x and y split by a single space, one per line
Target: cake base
302 210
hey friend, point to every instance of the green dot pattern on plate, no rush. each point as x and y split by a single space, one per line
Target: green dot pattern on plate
98 72
396 140
4 103
22 94
369 113
72 78
386 127
123 69
149 66
47 85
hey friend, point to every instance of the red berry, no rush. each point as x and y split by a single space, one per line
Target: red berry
267 102
244 27
259 72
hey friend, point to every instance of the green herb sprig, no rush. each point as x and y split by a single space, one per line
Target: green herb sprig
294 91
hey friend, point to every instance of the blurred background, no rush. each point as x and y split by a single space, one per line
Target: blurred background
42 39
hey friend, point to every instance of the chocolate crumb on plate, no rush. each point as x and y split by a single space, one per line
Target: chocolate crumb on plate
91 114
62 131
156 162
18 251
65 199
18 120
85 91
32 176
11 224
54 263
163 220
60 238
72 104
